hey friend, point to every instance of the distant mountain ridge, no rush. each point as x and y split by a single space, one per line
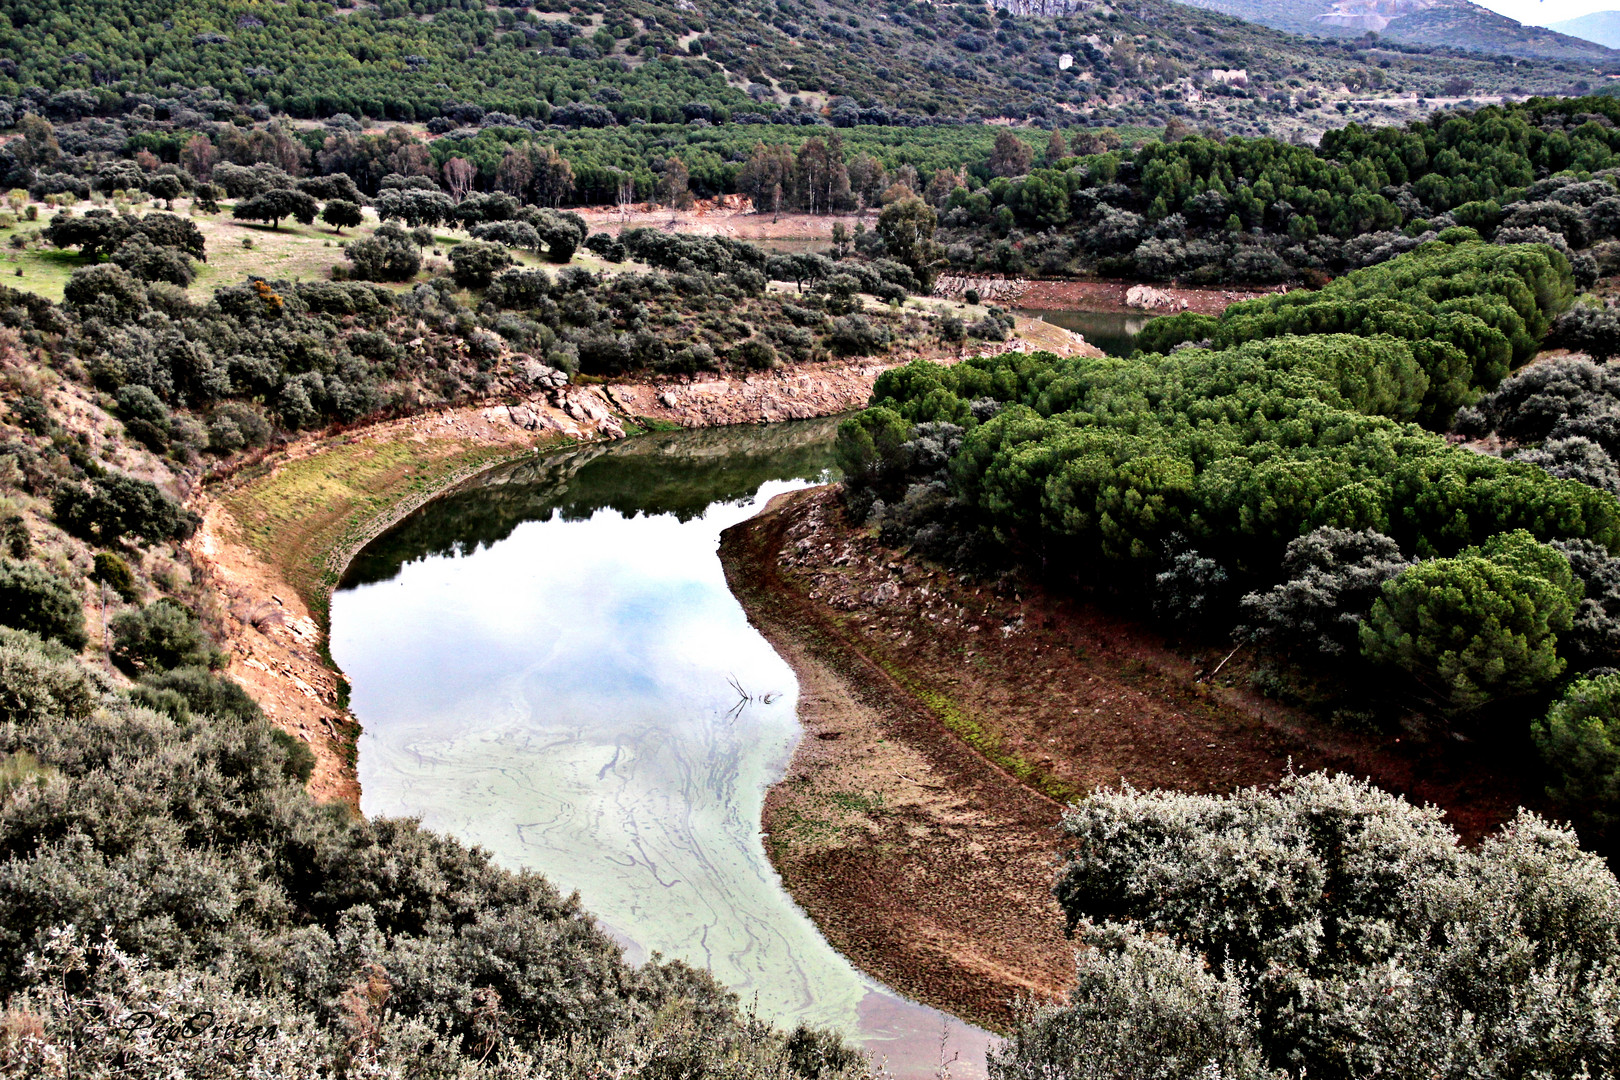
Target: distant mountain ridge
1602 27
1456 23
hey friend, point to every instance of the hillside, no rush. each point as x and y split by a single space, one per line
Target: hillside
623 61
1442 23
1602 27
1470 26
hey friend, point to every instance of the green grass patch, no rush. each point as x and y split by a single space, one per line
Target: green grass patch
867 805
983 738
307 516
45 271
799 828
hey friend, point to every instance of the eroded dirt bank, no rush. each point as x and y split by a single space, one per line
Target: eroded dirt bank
728 215
945 724
278 533
1111 296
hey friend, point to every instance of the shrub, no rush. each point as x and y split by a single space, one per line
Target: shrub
149 262
106 291
235 426
1340 932
114 572
988 329
115 506
1594 331
15 538
1142 1006
35 600
388 254
1478 626
757 355
1579 739
146 418
1594 639
160 636
519 289
1556 398
1332 577
856 335
476 263
205 694
1192 591
607 246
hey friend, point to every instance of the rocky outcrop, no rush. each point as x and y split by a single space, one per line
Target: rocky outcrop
1148 298
997 289
604 411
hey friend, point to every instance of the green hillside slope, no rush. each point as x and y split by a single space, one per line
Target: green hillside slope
627 60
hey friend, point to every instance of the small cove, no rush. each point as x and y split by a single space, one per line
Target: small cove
544 659
1114 332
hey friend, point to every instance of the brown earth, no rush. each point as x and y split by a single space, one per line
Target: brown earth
945 722
728 215
1110 296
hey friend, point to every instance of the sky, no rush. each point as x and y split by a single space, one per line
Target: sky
1542 12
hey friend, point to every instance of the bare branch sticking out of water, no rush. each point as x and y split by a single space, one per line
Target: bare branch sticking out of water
744 698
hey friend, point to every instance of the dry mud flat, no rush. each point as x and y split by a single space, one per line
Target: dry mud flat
945 726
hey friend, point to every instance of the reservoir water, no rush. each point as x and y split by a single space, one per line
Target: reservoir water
547 662
1114 332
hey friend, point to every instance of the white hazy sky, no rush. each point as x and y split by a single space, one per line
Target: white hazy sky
1542 12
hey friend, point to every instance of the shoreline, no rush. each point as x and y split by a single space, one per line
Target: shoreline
1083 294
873 772
945 724
278 532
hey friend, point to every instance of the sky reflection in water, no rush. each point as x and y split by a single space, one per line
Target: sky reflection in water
556 688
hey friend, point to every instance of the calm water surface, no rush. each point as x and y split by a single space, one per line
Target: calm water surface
544 660
1114 332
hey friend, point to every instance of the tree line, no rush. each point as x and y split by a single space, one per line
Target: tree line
1278 471
1206 210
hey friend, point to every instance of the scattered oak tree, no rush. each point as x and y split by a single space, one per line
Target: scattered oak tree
342 214
273 205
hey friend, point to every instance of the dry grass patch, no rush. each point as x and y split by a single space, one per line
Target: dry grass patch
307 515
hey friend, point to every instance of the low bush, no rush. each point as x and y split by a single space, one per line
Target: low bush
114 572
1324 929
35 600
1579 740
161 636
388 254
1331 578
115 506
476 262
